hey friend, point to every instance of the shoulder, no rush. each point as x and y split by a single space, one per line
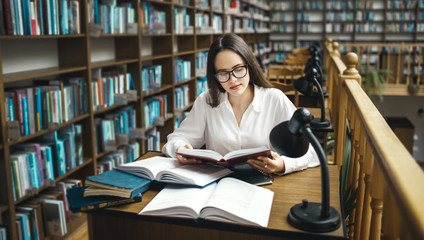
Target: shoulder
270 93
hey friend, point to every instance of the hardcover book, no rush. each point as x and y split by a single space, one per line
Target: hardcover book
79 203
229 200
163 169
229 159
115 183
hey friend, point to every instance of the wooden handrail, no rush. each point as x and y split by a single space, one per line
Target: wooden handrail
403 59
388 200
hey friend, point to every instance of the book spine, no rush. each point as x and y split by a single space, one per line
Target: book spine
107 204
9 16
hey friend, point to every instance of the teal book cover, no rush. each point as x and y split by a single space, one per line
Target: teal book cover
118 179
78 203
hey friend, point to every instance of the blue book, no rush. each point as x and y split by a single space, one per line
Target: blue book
25 228
38 110
48 162
11 110
116 183
79 203
25 114
34 169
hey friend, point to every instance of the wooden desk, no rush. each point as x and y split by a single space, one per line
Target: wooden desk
123 222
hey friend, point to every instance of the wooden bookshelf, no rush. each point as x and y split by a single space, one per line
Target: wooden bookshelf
77 55
377 21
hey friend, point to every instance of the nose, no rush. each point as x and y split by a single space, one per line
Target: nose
232 77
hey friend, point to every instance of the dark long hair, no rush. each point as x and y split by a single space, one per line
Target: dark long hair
231 41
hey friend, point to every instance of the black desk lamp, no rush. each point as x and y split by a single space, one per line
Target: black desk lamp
291 138
305 86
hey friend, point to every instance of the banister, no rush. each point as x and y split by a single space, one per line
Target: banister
385 171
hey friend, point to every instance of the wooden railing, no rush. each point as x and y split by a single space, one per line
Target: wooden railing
405 61
389 198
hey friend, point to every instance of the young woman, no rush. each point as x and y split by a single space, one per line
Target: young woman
238 111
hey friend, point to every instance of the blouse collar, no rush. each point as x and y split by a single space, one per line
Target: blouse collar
256 102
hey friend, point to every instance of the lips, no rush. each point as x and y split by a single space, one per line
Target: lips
235 87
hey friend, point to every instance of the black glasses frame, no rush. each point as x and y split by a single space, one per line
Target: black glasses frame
231 72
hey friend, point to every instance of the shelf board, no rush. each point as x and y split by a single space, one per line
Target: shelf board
160 2
156 91
179 110
115 106
3 208
60 178
169 117
15 37
45 131
183 6
183 53
39 73
156 57
104 35
112 151
184 81
156 35
109 63
202 50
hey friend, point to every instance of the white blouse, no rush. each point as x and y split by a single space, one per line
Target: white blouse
217 127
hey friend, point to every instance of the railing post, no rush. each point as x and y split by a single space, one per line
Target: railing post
377 193
349 73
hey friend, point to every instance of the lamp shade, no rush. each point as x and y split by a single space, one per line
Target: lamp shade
287 137
303 84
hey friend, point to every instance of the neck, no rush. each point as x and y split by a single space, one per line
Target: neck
244 100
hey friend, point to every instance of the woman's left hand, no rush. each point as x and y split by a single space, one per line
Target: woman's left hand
268 165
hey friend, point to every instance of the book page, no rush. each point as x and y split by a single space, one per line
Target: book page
178 201
195 174
201 153
149 167
244 152
239 202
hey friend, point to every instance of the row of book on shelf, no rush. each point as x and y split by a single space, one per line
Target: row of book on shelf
110 87
37 163
50 102
112 17
47 214
36 17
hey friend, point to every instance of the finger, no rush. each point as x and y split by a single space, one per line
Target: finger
188 146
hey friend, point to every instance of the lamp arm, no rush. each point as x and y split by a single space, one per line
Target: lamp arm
325 180
321 97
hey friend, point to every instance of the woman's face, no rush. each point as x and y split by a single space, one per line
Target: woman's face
230 64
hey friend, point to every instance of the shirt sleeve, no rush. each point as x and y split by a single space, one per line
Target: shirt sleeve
191 130
310 159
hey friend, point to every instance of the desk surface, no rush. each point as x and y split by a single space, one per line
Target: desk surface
288 191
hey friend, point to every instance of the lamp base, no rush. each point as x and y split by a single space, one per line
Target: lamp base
316 123
307 216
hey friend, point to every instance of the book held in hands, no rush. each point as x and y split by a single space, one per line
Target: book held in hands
230 200
230 159
115 183
164 169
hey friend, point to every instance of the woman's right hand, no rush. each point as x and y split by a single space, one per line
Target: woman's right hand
184 160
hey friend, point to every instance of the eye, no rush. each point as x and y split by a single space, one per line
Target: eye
238 69
222 73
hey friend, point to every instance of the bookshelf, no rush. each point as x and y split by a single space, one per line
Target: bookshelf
172 34
297 22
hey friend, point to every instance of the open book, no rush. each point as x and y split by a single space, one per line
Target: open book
229 159
229 200
163 169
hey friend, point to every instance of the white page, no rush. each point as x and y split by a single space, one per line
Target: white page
198 174
243 152
169 200
202 153
252 204
154 164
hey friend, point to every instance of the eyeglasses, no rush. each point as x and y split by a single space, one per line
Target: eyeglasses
238 72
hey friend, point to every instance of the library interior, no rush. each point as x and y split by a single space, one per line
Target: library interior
93 88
